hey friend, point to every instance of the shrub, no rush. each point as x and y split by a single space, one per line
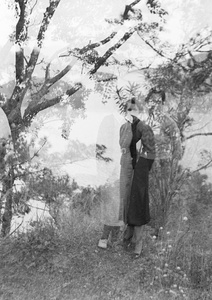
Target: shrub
184 258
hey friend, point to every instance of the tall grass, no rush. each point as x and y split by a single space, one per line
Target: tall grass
177 264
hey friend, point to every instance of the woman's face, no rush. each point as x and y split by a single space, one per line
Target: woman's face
154 104
132 110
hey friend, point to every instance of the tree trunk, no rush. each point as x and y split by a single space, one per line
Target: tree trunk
7 180
2 173
7 199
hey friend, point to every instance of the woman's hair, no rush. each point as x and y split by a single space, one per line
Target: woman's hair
155 91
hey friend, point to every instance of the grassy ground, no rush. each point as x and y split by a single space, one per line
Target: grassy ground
67 264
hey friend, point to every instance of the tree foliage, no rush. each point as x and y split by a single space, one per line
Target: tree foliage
29 97
182 75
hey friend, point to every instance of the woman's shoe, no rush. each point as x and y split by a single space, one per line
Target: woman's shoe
126 243
128 234
136 255
102 244
129 246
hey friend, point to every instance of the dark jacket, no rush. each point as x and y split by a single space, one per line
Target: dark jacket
143 132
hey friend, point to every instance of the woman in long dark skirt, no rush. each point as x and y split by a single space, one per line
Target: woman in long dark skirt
138 211
128 159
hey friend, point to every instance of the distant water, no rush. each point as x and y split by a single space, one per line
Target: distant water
38 212
86 173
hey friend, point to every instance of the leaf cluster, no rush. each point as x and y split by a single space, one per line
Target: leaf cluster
100 151
189 71
47 186
155 8
122 94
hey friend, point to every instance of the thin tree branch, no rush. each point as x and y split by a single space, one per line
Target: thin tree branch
34 107
25 59
57 77
11 233
110 51
50 81
36 153
204 167
107 79
151 46
47 73
129 8
90 46
30 159
31 10
199 134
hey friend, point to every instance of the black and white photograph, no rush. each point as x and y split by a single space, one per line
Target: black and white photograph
105 150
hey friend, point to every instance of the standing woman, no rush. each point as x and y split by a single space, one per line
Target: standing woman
138 213
109 169
128 155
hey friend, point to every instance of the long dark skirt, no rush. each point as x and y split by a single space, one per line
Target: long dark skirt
138 213
125 186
